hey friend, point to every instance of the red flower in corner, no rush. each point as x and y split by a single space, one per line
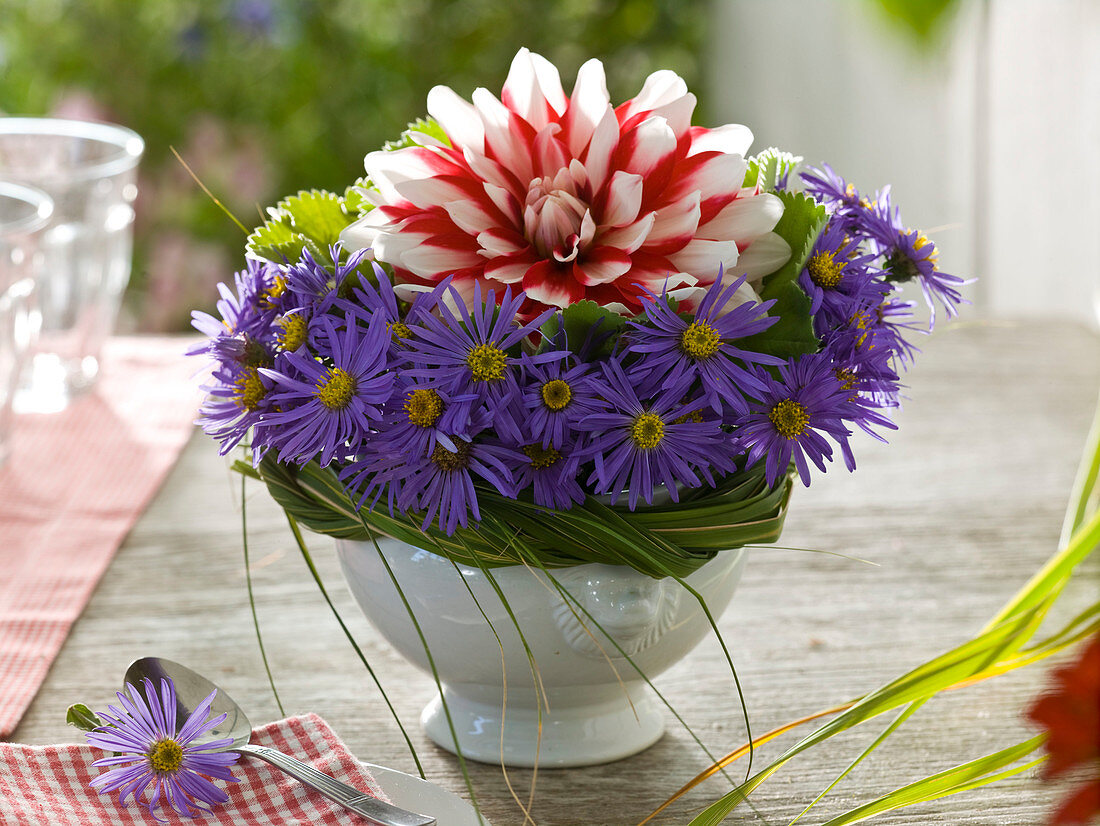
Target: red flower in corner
1070 713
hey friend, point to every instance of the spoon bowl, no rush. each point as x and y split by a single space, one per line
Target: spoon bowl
192 688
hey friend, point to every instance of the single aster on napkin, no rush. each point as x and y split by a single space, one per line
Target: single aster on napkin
155 751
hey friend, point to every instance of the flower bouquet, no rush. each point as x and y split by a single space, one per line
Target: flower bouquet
546 335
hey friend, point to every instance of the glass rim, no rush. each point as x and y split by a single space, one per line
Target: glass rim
32 196
130 144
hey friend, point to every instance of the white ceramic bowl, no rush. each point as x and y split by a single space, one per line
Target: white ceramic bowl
597 707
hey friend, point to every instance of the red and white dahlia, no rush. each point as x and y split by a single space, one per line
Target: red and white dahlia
570 198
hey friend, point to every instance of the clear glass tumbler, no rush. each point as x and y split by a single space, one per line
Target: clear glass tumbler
89 170
24 213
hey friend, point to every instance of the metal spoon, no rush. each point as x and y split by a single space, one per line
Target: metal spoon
192 689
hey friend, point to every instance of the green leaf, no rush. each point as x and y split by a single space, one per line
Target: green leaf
793 333
767 167
82 717
420 126
354 201
275 241
581 319
802 221
317 215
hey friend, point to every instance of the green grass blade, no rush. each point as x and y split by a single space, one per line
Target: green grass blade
1085 497
252 598
308 558
961 778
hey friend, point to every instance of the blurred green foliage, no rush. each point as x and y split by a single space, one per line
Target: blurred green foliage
266 97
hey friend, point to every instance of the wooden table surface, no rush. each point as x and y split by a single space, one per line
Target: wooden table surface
957 512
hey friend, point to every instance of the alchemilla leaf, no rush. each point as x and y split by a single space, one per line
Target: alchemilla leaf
317 215
802 221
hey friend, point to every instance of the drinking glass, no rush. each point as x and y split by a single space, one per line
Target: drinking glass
89 170
24 213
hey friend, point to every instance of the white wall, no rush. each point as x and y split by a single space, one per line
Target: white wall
991 140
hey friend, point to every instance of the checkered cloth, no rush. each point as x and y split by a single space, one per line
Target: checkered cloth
48 785
74 485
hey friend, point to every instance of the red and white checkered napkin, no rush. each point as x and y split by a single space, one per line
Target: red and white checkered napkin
48 785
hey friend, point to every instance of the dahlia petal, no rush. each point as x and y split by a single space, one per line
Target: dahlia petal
632 236
675 225
499 241
624 199
428 192
550 153
552 285
733 139
762 257
505 202
471 216
701 255
601 265
660 88
489 171
646 146
457 118
504 137
361 234
533 88
508 270
385 169
711 174
428 259
605 140
587 105
392 246
745 219
678 113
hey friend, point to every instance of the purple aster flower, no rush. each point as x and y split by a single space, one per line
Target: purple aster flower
909 255
155 750
837 278
675 350
469 352
382 299
826 186
235 403
882 324
804 402
312 284
442 483
421 416
551 474
555 397
319 408
244 334
637 446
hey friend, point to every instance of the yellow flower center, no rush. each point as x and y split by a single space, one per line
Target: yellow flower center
700 340
337 390
541 456
556 394
486 362
400 330
423 407
166 756
825 271
268 296
647 431
250 389
789 417
447 461
292 331
848 378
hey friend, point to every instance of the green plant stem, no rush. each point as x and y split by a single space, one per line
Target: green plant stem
252 598
308 558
